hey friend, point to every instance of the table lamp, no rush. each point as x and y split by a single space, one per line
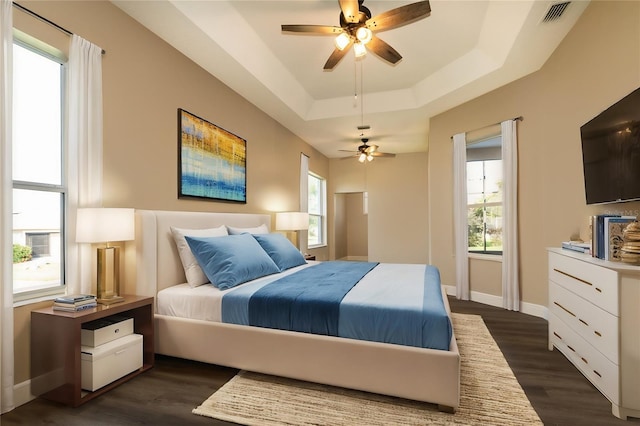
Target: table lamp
105 225
292 221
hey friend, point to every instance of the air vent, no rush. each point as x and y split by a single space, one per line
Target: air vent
555 11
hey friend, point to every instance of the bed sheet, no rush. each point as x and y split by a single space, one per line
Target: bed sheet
205 302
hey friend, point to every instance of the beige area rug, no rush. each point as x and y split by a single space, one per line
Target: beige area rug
489 395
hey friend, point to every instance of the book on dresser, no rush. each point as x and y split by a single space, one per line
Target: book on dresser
74 302
613 229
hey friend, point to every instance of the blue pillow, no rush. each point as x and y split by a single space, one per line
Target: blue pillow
231 260
280 249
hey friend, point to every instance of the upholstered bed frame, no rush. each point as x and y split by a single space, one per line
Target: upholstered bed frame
152 263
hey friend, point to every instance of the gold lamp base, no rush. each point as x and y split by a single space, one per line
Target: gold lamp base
110 300
108 274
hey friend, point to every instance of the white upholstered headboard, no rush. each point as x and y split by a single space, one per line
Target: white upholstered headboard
154 263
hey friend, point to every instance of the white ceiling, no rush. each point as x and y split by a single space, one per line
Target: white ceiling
464 49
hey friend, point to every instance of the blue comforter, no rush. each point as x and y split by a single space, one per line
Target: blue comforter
399 304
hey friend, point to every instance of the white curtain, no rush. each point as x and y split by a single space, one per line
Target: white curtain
460 225
510 270
85 152
304 196
6 206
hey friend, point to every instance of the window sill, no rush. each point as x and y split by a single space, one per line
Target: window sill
488 257
318 246
23 300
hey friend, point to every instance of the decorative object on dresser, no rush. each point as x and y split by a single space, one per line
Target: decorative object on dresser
58 340
594 321
292 221
630 252
105 225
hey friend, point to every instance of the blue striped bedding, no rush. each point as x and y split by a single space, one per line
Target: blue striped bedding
388 303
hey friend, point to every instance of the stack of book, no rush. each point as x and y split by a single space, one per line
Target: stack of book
74 302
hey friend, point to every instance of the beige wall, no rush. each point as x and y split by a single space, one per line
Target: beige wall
597 64
398 199
145 81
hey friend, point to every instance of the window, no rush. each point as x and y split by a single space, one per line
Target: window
317 211
484 196
38 178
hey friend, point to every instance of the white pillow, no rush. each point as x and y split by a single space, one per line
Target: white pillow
193 272
262 229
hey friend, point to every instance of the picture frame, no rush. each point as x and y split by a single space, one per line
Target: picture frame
212 162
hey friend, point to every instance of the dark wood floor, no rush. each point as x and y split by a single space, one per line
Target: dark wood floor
166 394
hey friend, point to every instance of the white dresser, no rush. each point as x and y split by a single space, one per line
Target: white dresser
594 320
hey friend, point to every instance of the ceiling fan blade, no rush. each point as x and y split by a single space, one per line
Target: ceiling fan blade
335 57
399 16
350 10
382 49
314 29
382 154
347 150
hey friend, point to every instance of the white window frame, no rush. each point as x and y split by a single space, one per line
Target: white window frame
62 189
322 214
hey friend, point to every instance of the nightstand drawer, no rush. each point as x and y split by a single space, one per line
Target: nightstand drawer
106 363
99 332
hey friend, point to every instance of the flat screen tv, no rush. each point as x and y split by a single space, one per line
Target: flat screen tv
611 152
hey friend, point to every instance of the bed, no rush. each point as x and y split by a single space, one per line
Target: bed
153 264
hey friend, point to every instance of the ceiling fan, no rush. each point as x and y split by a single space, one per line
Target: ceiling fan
367 152
357 29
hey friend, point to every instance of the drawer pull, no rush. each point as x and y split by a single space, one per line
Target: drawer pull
597 374
597 333
564 309
584 360
571 276
583 321
557 335
572 350
598 290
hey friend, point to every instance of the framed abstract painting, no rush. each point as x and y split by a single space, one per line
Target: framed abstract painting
212 162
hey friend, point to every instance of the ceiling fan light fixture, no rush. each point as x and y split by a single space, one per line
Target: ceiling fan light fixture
370 157
342 41
359 49
362 157
364 34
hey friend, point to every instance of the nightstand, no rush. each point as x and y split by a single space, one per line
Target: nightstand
55 348
309 257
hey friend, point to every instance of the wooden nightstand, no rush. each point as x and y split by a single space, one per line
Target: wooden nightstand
309 257
55 348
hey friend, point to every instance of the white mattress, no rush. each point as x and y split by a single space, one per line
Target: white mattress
203 302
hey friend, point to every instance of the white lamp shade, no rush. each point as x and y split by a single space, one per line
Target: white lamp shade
101 225
292 221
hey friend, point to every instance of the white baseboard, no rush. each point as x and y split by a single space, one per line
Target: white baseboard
22 393
492 300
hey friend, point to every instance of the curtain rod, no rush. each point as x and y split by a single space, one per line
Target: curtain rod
518 118
43 19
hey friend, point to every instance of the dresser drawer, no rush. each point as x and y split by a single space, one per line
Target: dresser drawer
594 283
598 327
595 366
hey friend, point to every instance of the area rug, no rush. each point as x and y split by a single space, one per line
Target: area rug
489 395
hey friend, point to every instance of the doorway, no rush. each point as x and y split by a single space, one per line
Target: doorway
351 226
